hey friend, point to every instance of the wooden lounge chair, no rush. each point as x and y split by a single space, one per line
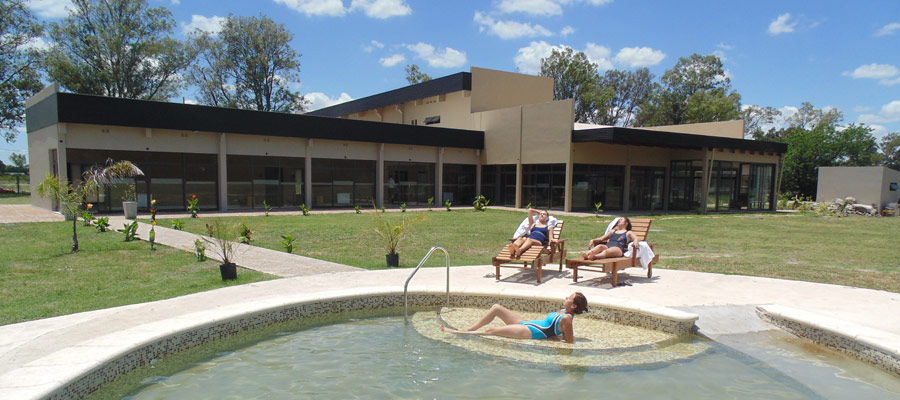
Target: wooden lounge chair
536 256
639 227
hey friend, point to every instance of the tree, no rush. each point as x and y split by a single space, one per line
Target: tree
575 77
249 65
629 90
414 76
757 119
19 78
19 163
695 90
809 117
71 198
117 48
890 150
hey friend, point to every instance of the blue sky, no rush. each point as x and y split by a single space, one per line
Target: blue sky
830 53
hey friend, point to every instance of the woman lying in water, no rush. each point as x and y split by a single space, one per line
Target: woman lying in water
555 324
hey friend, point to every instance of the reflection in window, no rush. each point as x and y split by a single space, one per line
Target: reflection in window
597 183
498 184
342 183
408 182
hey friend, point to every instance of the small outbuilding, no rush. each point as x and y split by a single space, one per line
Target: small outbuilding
877 186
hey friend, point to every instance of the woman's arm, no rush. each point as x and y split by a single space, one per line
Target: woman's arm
565 325
531 213
601 239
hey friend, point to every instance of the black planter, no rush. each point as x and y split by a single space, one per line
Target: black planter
393 260
229 271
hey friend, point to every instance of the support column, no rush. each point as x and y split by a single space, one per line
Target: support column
439 176
379 176
223 173
570 177
519 185
707 175
307 174
478 174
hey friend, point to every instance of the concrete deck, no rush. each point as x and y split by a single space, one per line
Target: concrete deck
725 304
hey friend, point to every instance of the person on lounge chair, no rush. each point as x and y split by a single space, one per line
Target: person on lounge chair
537 233
555 324
613 243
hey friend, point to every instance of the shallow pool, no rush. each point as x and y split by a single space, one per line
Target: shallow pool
385 357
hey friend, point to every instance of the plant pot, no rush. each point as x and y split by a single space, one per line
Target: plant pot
229 271
130 208
393 259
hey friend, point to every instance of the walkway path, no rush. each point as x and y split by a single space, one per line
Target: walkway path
16 213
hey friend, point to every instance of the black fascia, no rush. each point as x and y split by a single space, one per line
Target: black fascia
100 110
643 137
434 87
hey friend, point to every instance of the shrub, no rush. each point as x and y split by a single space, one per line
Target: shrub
288 242
480 203
447 204
129 231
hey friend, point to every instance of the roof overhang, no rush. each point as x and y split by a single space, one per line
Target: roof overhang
434 87
643 137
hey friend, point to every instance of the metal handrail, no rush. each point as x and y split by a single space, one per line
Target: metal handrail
405 285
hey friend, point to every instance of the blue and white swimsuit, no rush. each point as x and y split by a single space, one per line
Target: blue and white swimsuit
547 327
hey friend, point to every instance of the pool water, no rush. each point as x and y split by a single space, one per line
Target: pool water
385 357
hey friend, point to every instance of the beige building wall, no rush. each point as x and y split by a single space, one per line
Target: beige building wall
730 129
492 89
453 108
41 143
869 185
502 135
546 132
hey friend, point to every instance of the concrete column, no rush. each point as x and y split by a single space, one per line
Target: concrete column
478 174
707 175
439 176
379 176
61 159
519 184
570 177
307 174
223 173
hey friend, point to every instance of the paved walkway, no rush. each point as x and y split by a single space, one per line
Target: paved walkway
16 213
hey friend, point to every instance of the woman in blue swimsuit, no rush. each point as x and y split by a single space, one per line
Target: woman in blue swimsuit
613 243
556 324
538 233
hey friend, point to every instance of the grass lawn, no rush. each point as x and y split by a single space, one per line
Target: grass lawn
853 251
40 277
15 198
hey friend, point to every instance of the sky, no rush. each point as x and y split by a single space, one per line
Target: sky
833 54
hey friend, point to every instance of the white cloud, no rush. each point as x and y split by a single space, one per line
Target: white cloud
598 2
332 8
889 113
639 56
888 29
781 25
878 130
566 31
392 60
533 7
176 2
206 24
599 55
368 48
440 58
37 43
381 9
873 71
509 29
861 109
50 8
319 100
191 101
528 59
890 82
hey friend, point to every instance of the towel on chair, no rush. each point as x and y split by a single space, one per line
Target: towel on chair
523 227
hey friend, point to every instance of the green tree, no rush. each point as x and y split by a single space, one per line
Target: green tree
19 163
249 65
414 75
117 48
695 90
629 89
760 123
575 77
19 78
890 150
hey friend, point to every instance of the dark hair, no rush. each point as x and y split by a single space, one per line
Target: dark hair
627 223
580 303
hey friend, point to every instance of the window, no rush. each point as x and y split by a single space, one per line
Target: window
597 183
408 182
459 183
893 186
433 120
498 184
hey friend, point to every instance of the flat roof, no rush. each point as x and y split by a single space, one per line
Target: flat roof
644 137
101 110
434 87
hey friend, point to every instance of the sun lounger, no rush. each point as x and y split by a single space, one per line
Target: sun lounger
536 256
640 228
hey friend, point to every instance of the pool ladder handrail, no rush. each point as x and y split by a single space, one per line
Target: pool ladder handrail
405 285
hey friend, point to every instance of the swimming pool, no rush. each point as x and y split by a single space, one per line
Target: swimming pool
384 357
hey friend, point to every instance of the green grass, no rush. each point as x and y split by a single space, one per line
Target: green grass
40 277
853 251
15 198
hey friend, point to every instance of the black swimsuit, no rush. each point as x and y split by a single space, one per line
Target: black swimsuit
618 240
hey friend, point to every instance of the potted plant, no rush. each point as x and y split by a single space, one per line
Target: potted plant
392 234
129 202
221 243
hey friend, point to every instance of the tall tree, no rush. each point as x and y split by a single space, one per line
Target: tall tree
249 65
575 77
118 48
890 150
695 90
19 78
760 123
19 162
414 75
629 89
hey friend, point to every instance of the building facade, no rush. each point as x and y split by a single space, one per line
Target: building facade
486 132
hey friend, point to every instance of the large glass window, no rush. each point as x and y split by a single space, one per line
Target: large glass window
544 185
647 187
686 185
459 183
498 184
408 182
723 187
757 186
252 180
342 183
597 183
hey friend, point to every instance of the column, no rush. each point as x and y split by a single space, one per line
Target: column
379 176
478 174
439 177
223 173
307 174
570 177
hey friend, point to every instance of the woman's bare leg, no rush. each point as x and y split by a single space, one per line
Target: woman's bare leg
515 331
515 247
508 317
592 253
527 245
610 253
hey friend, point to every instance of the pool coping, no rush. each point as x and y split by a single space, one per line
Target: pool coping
75 371
873 346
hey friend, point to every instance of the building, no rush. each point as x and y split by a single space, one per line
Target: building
487 132
877 186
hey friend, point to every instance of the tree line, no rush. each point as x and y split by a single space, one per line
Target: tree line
125 48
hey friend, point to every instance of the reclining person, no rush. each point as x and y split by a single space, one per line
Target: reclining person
612 244
536 233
